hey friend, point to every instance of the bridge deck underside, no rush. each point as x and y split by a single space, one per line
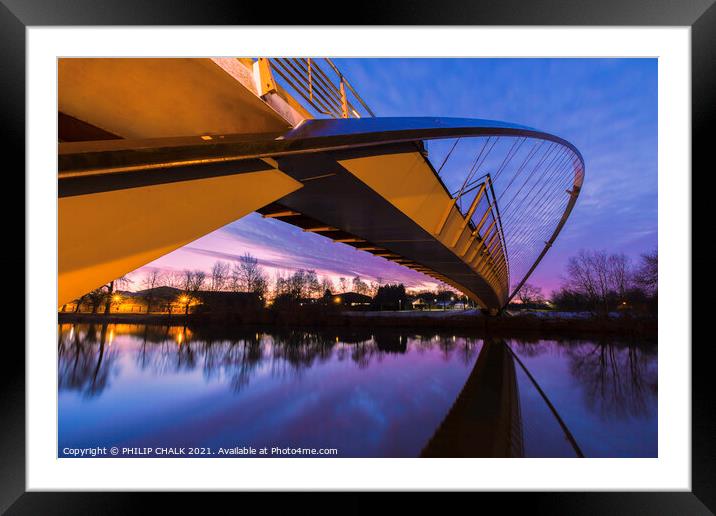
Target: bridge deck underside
336 203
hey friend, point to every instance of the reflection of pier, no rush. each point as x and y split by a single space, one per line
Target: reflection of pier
485 419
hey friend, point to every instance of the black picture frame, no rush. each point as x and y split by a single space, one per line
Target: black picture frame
16 15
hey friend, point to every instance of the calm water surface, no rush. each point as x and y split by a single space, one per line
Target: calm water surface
374 393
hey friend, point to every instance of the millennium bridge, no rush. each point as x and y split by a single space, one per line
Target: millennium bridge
155 153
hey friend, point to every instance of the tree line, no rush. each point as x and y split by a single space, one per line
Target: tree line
248 276
601 282
594 280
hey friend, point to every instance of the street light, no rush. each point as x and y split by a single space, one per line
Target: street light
116 299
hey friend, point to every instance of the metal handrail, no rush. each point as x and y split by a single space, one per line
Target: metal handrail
328 92
496 250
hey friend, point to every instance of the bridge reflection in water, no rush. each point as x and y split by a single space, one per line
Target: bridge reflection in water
485 420
367 393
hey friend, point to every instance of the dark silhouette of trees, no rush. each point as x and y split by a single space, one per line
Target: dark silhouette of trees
109 295
300 288
220 273
248 276
152 280
192 282
327 286
360 286
570 300
95 298
599 277
78 302
646 275
391 297
313 286
602 282
530 295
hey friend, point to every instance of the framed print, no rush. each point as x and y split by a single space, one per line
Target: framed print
419 252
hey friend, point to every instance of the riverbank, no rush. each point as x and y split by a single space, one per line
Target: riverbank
543 323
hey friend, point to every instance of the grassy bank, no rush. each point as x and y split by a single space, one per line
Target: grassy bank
502 325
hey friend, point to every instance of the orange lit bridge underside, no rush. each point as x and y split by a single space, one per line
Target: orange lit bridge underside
388 201
363 182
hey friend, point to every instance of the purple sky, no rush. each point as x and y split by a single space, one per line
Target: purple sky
606 107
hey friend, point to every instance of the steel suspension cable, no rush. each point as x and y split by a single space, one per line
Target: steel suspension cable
521 232
533 240
522 239
525 203
541 161
532 152
448 156
556 178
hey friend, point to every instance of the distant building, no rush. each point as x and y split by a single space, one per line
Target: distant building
351 300
419 304
173 301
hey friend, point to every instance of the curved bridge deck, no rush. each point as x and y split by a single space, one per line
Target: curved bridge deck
155 153
386 200
374 190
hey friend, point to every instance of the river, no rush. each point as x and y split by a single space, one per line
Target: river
163 390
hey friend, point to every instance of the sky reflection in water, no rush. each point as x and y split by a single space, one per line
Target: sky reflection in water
374 393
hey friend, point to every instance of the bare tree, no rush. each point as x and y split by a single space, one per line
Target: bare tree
297 285
619 274
343 284
95 298
327 285
151 281
647 273
530 294
375 286
247 276
192 283
78 302
279 284
599 277
583 277
360 286
174 279
110 297
219 276
312 285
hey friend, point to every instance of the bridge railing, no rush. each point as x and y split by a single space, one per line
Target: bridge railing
319 82
477 202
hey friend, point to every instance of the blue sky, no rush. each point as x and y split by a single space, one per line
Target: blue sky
606 107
